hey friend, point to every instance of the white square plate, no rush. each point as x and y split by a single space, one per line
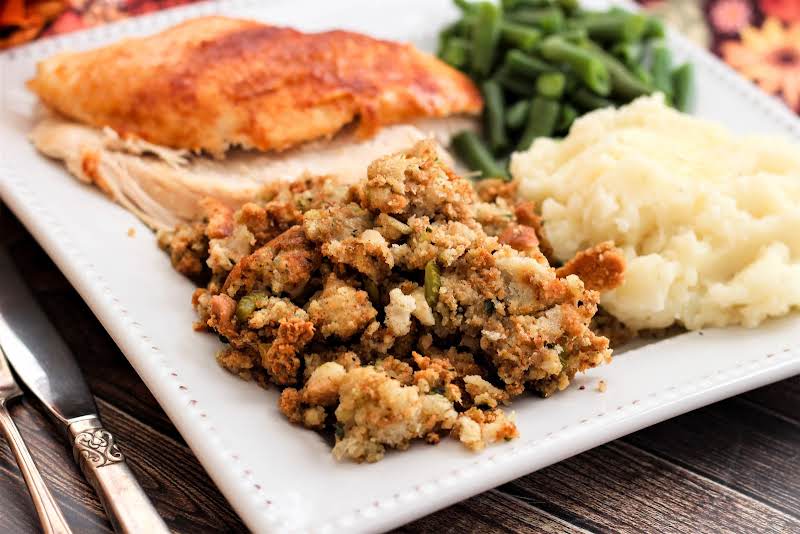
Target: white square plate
280 477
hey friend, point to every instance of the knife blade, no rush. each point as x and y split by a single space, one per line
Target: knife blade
45 364
37 352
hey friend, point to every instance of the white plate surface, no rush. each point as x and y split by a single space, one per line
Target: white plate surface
280 477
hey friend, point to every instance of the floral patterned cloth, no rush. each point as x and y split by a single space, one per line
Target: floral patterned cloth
82 14
759 38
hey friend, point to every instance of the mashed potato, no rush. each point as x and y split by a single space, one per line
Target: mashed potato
709 222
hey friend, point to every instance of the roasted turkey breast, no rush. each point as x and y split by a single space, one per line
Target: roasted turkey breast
215 82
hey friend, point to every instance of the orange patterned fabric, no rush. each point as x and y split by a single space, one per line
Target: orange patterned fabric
759 38
23 20
87 13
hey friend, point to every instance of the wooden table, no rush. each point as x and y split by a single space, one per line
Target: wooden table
733 466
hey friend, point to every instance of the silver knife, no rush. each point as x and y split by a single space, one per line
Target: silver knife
43 362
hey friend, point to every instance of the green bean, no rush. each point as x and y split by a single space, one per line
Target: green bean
559 62
642 73
517 35
661 69
455 52
509 5
551 84
542 118
574 35
522 64
519 85
494 114
566 118
465 6
581 13
587 66
247 305
627 52
459 28
654 29
372 291
516 114
485 35
445 35
588 101
682 86
433 282
549 19
624 84
570 82
570 6
476 155
614 26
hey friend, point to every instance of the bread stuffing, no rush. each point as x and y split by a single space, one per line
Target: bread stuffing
406 307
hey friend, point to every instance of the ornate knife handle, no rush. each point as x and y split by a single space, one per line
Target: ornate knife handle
103 465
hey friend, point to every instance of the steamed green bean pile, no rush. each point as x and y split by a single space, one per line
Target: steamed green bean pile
540 64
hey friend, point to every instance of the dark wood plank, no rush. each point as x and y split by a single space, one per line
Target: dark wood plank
17 514
618 487
737 444
781 399
491 512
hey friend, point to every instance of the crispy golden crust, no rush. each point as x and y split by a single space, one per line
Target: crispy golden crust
215 82
601 267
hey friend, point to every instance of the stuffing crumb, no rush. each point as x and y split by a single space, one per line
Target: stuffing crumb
398 312
602 386
131 232
340 309
477 428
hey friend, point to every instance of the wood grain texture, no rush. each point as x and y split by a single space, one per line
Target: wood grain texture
733 466
783 402
621 488
747 450
491 512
